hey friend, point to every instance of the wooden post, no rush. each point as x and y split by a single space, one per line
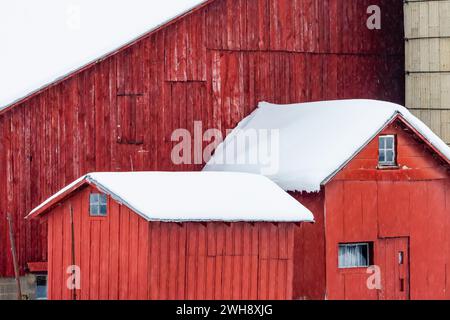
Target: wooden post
13 252
74 290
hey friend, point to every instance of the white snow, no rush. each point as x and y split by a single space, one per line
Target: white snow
44 40
196 196
316 139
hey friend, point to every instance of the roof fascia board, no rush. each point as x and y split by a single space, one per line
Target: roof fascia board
423 138
48 206
334 173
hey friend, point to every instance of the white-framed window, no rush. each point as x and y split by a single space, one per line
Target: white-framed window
387 154
98 205
354 255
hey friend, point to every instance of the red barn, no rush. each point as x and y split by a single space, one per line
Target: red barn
378 183
211 64
153 235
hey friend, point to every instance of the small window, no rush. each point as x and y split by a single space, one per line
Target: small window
41 287
98 205
354 255
387 154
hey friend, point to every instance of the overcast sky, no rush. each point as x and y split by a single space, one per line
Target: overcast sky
41 40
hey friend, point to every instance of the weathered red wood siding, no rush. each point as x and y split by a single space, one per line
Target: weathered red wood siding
213 66
122 256
217 261
364 204
112 252
309 251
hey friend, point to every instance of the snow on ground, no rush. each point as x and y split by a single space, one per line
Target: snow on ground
316 139
197 196
44 40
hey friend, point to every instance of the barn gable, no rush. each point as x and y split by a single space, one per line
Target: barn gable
417 158
315 140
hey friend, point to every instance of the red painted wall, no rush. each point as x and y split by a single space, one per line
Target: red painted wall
309 251
214 66
364 204
122 256
405 209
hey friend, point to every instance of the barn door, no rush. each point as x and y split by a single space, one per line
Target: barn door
394 257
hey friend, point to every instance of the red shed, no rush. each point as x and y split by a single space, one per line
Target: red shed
153 235
211 64
378 182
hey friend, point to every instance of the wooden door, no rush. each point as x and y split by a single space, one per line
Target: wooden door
394 263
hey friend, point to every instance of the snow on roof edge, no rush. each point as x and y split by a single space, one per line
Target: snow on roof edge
305 215
75 184
74 71
424 132
428 135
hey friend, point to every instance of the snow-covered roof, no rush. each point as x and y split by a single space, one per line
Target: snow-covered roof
193 196
75 35
315 140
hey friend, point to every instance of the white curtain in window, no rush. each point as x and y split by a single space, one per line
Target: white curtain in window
353 256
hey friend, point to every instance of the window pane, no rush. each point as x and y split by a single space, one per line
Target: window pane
390 143
103 199
387 150
390 156
94 209
353 256
364 255
382 143
41 287
98 204
94 198
103 210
